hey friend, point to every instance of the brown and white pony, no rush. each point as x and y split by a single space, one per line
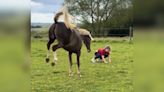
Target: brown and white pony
68 38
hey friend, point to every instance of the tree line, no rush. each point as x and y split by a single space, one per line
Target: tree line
99 15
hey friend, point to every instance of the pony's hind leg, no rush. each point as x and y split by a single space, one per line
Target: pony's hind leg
70 64
48 48
78 63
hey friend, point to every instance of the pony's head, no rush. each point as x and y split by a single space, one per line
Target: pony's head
87 38
87 41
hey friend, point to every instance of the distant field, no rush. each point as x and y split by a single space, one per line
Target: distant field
112 77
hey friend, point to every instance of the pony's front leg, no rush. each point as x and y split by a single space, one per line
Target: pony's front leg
78 63
48 48
70 64
54 48
55 56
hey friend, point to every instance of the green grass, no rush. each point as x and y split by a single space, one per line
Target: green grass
96 77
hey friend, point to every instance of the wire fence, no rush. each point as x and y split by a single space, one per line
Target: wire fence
115 32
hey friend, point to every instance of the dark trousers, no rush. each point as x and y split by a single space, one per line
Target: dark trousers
98 55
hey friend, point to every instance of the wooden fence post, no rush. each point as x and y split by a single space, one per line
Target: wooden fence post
130 34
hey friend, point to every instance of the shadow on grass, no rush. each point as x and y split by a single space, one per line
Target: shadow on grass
57 72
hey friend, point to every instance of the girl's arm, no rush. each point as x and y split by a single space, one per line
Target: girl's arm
109 59
103 59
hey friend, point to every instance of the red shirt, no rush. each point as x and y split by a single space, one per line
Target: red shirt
103 51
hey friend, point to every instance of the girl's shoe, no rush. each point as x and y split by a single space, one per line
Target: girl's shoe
93 60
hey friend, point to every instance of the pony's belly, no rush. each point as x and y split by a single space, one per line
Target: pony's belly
73 48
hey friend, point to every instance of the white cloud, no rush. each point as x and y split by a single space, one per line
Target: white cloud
49 18
36 4
16 4
42 10
42 17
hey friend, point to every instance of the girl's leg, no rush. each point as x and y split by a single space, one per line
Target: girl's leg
93 60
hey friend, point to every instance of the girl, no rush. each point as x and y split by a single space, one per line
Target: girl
102 53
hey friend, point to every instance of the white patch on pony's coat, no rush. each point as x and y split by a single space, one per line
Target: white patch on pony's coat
55 56
48 53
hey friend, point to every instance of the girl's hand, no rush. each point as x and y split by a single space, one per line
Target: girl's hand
110 60
103 59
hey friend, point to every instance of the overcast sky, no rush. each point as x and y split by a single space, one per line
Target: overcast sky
42 11
14 4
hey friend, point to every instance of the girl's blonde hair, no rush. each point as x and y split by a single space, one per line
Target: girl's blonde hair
108 47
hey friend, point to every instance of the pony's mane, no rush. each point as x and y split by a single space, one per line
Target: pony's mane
67 18
85 32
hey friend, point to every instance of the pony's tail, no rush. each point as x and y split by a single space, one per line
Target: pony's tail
67 18
57 17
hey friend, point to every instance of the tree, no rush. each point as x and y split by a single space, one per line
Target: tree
98 13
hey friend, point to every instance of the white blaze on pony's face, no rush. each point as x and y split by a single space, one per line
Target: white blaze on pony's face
91 37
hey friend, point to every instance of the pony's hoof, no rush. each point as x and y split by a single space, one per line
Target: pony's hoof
55 59
52 64
80 75
70 75
47 60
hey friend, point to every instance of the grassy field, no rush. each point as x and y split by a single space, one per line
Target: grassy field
96 77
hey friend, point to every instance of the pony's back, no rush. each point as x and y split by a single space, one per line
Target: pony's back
68 37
